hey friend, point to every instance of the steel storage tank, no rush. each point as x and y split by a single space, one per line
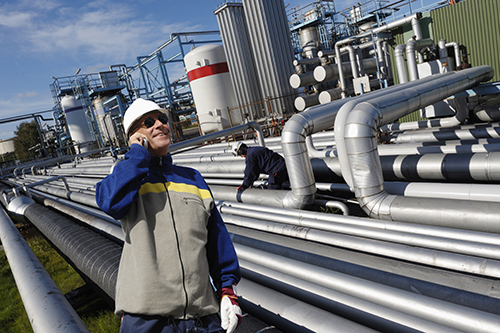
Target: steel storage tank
7 146
235 38
272 48
77 123
212 89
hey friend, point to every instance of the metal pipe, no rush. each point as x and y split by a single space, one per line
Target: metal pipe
313 120
95 256
456 52
212 136
400 63
437 311
412 46
462 113
456 287
47 308
430 242
360 142
367 313
292 315
332 219
453 261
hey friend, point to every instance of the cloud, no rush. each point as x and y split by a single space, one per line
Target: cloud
104 30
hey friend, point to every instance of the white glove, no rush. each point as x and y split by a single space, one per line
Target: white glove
230 311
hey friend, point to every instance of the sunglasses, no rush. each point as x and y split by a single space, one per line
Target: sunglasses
151 120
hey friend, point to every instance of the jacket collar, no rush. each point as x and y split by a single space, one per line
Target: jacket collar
163 161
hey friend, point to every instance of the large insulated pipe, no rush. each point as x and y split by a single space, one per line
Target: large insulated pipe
481 131
462 113
331 71
335 219
301 80
431 242
409 279
437 311
361 128
95 256
313 120
47 308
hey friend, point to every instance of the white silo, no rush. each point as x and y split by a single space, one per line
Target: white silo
76 119
272 49
212 89
236 41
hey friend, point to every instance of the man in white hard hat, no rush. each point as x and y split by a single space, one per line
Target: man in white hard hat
175 239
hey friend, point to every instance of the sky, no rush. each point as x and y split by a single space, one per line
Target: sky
44 38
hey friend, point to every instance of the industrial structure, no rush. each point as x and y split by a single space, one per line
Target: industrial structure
388 123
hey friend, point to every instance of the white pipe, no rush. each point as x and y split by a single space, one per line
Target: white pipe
400 63
413 46
456 52
47 308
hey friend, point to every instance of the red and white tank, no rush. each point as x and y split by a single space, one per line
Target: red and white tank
212 89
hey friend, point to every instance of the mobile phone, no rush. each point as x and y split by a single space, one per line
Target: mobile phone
145 143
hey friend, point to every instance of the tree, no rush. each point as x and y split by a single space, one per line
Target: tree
26 137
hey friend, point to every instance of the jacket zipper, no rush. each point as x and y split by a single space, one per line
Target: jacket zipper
183 274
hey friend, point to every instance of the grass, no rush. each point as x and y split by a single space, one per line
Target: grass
98 316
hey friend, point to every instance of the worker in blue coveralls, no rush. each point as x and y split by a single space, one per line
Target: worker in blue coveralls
261 160
178 265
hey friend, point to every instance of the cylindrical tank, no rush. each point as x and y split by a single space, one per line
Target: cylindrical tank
6 146
234 33
76 119
211 85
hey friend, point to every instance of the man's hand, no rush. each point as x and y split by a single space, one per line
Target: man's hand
240 188
229 310
138 138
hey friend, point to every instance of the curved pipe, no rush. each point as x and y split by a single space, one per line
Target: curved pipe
456 52
362 127
316 119
413 46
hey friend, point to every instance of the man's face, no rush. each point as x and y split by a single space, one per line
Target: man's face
158 135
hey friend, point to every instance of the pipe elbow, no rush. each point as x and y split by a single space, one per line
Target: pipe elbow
298 201
378 206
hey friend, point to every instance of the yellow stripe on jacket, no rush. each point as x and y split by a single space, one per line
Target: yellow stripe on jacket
176 187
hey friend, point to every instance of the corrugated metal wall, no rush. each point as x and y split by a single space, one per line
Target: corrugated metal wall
474 24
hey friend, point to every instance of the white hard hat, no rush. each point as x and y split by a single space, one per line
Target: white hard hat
236 146
136 110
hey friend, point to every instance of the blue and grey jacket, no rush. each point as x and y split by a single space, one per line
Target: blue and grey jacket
175 239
